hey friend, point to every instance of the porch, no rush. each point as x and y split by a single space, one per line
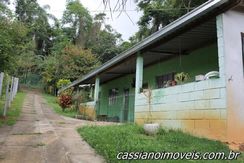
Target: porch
196 106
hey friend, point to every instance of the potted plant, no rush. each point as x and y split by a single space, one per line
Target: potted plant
182 77
150 128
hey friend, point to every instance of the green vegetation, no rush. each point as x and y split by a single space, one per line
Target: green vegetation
14 111
109 140
41 54
53 103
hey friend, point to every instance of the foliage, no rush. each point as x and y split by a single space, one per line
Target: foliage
71 63
79 21
27 63
31 48
36 19
63 82
14 111
4 10
106 44
159 13
64 100
75 61
12 43
110 140
52 102
182 77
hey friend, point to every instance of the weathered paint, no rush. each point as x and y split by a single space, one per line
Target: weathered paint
88 109
211 108
197 107
231 48
164 98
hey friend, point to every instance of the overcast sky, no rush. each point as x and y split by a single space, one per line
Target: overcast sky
121 24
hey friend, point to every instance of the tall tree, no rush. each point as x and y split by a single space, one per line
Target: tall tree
4 10
12 43
77 23
106 45
159 13
36 19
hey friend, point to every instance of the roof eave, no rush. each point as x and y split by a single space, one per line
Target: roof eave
177 24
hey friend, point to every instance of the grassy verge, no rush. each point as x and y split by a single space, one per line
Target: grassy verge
108 141
52 102
14 111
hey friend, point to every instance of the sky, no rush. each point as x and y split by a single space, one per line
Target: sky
123 24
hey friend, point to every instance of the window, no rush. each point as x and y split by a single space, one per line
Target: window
163 81
242 39
112 97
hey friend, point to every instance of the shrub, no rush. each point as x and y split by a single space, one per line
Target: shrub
64 100
63 82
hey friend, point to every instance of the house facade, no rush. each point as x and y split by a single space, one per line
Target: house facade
208 40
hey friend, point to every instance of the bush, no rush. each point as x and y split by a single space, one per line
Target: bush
63 82
64 101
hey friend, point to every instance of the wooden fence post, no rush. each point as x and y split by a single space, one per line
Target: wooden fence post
1 82
6 99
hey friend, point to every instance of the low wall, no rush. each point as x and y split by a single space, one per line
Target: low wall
88 110
198 108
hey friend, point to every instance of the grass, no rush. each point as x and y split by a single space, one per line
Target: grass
108 141
14 111
52 102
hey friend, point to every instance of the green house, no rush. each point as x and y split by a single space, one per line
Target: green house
189 75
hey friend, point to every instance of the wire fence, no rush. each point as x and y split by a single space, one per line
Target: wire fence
8 90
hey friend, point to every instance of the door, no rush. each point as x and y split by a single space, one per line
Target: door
126 104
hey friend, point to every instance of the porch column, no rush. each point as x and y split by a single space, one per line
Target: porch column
230 25
139 73
96 91
91 91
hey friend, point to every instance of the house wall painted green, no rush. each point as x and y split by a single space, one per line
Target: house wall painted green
199 61
117 108
196 107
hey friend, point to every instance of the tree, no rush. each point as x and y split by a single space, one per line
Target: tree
30 46
36 19
159 13
27 63
71 63
76 62
4 10
106 44
12 43
78 21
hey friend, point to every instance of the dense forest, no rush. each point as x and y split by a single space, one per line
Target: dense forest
40 49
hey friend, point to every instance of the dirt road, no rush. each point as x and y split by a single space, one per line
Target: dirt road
42 136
